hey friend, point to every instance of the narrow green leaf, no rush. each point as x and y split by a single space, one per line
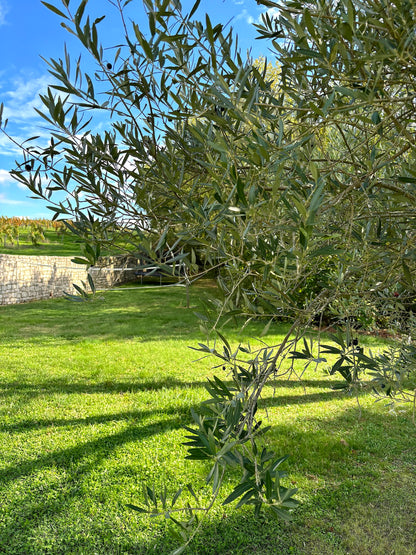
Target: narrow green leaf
284 515
176 496
238 491
224 340
266 328
245 498
179 550
191 491
407 273
54 9
80 11
375 118
91 283
194 8
136 508
279 462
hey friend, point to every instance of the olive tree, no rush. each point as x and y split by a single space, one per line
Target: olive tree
299 189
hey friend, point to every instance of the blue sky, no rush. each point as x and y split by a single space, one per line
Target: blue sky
29 31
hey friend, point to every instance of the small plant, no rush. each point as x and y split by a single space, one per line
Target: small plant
35 233
227 434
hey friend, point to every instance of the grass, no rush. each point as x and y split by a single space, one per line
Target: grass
54 245
93 402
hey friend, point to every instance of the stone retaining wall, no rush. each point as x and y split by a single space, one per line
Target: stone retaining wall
29 278
113 270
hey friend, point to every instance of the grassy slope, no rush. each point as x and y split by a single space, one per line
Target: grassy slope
93 400
68 245
52 246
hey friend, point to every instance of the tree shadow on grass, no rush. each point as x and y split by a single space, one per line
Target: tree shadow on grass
73 465
358 496
302 399
337 472
100 448
62 387
126 416
120 325
66 387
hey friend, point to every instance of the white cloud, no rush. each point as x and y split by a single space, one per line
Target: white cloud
6 180
11 202
20 98
17 133
246 16
5 177
272 13
3 12
23 96
8 148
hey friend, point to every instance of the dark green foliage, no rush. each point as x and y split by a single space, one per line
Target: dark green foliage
295 190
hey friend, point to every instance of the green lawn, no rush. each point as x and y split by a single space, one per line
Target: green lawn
54 245
58 245
93 402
